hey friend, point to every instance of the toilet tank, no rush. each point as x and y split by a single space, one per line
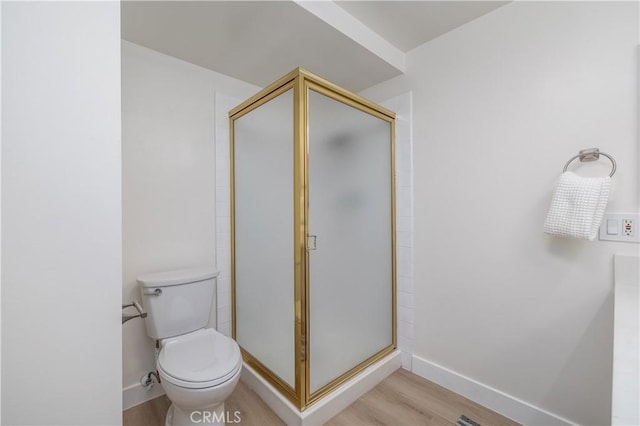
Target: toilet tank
177 302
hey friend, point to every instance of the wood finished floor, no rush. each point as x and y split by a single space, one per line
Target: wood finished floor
402 399
253 411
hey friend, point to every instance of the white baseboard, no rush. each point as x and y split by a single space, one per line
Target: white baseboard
135 394
498 401
320 412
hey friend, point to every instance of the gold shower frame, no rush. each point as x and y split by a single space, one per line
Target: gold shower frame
302 81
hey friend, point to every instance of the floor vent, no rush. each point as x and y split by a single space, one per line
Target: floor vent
466 421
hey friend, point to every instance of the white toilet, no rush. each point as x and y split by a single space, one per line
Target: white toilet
198 367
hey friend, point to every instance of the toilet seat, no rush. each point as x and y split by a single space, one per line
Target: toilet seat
197 360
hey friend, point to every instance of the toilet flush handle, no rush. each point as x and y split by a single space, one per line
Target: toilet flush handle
141 312
152 292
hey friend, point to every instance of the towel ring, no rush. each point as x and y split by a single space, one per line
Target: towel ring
592 154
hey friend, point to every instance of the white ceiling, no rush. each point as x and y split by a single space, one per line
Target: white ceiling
354 44
408 24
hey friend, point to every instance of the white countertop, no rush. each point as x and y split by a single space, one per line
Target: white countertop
625 401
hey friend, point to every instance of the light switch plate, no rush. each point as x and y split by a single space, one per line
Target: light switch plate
626 224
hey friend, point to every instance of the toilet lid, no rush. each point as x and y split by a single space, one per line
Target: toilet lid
200 359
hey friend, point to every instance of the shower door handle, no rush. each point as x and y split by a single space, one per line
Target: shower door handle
311 242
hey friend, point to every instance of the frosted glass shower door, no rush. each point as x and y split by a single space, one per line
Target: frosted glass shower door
350 218
263 228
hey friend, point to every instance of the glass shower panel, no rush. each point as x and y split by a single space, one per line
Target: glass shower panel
263 224
350 215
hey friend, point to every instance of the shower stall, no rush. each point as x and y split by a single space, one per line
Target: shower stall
312 234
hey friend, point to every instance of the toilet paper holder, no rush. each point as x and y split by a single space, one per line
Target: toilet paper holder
141 312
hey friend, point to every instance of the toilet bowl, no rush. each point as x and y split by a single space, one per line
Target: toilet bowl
199 370
198 367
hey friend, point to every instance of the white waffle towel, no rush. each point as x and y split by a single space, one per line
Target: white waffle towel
577 206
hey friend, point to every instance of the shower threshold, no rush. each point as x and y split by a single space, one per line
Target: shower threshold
331 404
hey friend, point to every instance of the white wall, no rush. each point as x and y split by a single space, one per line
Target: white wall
401 105
61 213
223 104
169 184
499 105
0 213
